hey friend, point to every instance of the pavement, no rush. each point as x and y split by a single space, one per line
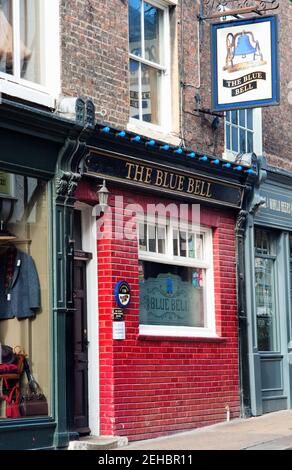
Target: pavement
268 432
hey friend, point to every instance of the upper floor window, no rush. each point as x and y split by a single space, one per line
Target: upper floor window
29 49
243 132
149 61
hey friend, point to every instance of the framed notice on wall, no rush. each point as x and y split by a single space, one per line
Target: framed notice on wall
7 185
244 55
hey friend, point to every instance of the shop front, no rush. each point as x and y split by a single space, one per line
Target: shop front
268 283
166 286
36 184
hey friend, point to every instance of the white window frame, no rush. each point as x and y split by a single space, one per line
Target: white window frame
14 85
165 79
209 331
257 136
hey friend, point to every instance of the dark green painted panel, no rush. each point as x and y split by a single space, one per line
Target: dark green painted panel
33 154
27 436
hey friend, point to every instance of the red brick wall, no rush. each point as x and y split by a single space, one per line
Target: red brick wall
153 387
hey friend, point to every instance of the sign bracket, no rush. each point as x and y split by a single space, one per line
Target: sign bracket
215 9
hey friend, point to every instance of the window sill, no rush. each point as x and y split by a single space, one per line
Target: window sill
196 339
154 132
26 93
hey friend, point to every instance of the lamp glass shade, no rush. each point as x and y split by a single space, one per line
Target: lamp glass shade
103 194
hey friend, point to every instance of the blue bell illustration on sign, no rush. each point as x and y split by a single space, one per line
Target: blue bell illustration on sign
243 51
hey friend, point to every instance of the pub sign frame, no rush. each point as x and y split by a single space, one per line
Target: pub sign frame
245 81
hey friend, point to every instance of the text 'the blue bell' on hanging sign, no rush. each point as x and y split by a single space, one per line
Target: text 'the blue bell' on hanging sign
244 57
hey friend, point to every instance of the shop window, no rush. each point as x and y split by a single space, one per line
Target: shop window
265 291
176 280
24 298
149 48
243 132
29 52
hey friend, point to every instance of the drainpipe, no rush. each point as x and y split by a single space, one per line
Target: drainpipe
245 405
252 202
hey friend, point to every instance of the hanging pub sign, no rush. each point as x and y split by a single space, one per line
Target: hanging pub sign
244 64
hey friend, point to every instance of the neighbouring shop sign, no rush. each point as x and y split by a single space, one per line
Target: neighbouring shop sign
244 63
164 179
277 207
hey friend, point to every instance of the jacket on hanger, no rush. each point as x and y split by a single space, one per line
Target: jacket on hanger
21 299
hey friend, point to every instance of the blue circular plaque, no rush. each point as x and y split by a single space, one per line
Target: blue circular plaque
122 294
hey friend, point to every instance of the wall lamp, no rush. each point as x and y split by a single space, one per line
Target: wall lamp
103 194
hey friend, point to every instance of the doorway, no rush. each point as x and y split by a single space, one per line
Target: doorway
270 322
79 331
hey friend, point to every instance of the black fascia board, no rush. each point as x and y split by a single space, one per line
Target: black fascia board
111 142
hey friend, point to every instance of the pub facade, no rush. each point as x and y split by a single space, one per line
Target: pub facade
168 340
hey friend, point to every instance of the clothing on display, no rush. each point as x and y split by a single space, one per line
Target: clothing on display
19 284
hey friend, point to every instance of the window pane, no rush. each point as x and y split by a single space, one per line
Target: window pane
191 246
182 243
30 40
235 139
265 307
172 295
263 242
6 37
152 21
150 94
199 247
234 117
134 89
152 238
24 285
242 118
161 235
135 27
228 143
242 140
249 118
175 243
142 237
249 142
227 116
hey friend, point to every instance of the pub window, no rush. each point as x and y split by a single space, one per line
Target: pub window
176 280
149 61
25 387
29 49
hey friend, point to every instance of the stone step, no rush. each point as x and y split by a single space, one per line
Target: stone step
98 443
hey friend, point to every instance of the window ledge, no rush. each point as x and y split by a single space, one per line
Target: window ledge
196 339
26 93
154 133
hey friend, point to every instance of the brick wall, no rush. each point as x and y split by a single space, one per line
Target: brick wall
94 41
94 36
277 120
154 387
95 64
